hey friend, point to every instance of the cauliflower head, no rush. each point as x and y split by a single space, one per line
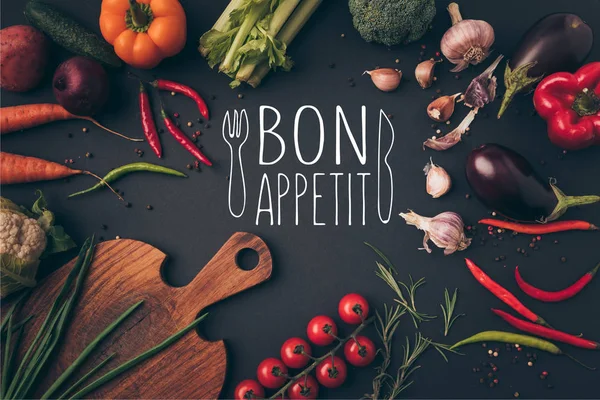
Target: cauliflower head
25 237
21 236
392 22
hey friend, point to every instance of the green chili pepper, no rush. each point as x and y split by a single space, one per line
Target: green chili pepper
126 170
514 338
508 337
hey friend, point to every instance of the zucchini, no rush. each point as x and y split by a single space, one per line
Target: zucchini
69 34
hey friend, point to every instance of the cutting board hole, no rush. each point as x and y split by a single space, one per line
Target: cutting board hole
247 259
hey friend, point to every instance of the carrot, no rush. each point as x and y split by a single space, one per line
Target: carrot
21 169
27 116
15 168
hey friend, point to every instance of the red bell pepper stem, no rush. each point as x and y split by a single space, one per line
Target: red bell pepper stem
503 294
547 333
552 297
183 140
540 229
148 123
185 90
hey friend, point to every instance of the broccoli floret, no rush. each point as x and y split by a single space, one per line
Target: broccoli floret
392 21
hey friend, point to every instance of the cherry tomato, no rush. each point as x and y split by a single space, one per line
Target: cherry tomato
331 372
272 373
360 352
321 330
295 352
353 309
304 388
249 389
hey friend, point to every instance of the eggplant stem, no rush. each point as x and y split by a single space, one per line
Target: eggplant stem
516 81
565 202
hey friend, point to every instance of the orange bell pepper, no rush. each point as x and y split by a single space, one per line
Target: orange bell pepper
143 32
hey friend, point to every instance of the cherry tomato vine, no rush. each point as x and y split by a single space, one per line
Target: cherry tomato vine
316 361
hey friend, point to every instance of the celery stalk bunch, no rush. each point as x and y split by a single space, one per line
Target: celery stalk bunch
251 37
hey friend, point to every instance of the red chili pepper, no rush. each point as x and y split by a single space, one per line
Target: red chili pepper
540 229
571 105
503 294
552 297
148 122
185 90
547 333
183 140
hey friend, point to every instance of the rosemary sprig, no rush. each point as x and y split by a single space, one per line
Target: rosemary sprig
440 348
448 310
411 355
316 361
383 257
386 327
406 301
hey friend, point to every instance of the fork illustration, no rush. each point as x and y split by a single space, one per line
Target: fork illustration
235 134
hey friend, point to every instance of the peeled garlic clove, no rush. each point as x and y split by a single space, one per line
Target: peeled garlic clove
437 182
442 108
424 72
467 41
385 79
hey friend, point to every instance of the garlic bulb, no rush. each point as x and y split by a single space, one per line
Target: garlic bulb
445 230
424 73
437 181
467 41
385 79
442 108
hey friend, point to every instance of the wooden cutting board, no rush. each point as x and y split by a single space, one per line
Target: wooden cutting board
124 272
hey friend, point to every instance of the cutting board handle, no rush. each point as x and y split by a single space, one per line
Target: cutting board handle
222 277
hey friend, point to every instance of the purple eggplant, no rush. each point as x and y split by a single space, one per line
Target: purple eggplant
556 43
506 182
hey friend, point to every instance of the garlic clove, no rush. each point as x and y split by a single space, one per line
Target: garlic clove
385 79
451 139
467 41
424 72
442 108
437 181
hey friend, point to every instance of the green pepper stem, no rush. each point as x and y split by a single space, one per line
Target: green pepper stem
138 17
586 103
515 81
595 270
565 202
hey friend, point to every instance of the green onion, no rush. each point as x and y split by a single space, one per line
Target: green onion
86 376
87 351
6 358
12 309
56 332
45 332
136 360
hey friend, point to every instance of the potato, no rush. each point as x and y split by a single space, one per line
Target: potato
23 57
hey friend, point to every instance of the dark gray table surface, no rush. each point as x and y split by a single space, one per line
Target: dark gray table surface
315 265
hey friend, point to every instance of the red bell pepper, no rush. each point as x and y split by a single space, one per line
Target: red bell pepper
570 103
